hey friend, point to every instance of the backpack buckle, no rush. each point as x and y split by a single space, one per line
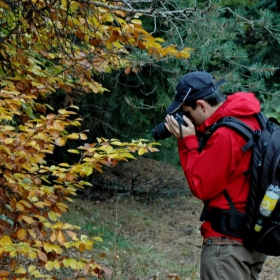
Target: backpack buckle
257 133
209 241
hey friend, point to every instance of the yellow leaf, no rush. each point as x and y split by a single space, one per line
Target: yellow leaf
86 183
70 262
183 54
10 249
64 3
117 44
73 151
153 149
29 220
9 141
56 264
6 150
62 205
118 143
57 249
8 128
84 237
83 136
58 225
142 151
20 270
58 125
32 255
47 224
53 237
64 164
66 262
60 141
36 274
73 106
87 170
43 178
52 216
136 21
40 204
69 199
72 136
20 207
25 166
52 247
67 226
43 136
21 234
32 233
13 253
128 155
5 241
49 266
32 194
74 6
48 247
73 264
41 218
60 237
31 268
109 17
24 202
97 238
76 123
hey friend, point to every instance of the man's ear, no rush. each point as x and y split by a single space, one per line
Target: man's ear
202 104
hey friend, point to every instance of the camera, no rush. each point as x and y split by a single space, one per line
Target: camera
160 132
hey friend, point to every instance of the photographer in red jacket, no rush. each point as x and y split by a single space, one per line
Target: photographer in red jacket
220 166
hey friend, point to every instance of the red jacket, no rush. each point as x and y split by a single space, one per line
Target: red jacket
222 164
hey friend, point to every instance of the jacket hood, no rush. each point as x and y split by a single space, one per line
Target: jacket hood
239 104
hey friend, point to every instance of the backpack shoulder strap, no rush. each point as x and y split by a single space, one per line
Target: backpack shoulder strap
262 119
237 125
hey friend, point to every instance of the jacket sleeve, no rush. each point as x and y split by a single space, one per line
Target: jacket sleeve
208 172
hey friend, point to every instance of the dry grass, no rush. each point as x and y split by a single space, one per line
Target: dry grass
145 240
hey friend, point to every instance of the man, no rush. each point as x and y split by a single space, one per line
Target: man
220 168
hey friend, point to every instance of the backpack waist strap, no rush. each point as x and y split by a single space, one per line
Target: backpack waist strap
226 222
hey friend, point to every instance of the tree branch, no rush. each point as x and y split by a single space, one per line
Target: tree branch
147 12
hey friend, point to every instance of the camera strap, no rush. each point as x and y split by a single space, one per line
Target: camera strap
181 130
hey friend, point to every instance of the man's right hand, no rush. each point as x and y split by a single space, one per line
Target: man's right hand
174 127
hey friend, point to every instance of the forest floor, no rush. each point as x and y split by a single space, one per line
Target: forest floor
150 225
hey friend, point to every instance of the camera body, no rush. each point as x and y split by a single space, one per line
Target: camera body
160 132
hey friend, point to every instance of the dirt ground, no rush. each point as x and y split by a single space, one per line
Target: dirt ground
153 205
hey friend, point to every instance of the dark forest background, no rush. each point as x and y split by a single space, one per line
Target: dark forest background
236 40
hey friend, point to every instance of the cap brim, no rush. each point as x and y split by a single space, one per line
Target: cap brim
175 105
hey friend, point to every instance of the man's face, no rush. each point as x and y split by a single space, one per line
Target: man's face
197 115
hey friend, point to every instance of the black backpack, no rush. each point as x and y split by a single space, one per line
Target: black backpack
264 170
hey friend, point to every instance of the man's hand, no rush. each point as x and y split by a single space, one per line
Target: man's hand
174 127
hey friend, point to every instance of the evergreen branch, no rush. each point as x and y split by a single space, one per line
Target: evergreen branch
264 22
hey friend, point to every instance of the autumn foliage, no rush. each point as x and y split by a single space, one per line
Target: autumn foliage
47 46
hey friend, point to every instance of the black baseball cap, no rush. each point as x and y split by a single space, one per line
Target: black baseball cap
192 86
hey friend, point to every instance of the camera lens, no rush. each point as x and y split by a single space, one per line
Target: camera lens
160 132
